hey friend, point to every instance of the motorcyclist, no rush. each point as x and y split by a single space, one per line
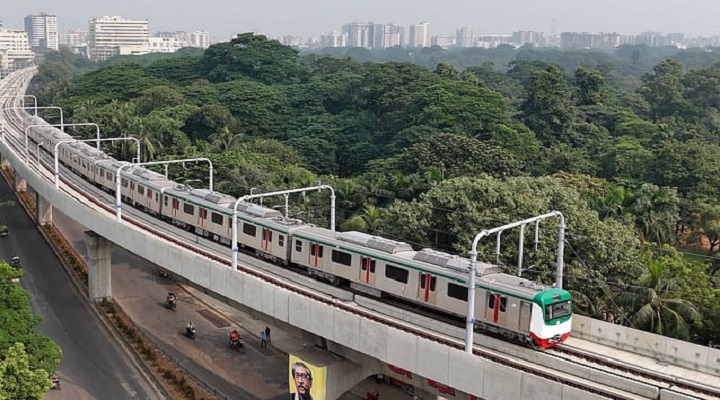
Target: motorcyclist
171 298
234 337
190 328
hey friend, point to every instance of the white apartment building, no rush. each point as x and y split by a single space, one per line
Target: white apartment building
166 44
334 39
464 37
360 34
389 35
42 30
74 38
15 50
112 36
200 39
419 35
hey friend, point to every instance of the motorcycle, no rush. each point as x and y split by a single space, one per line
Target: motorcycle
171 303
190 332
235 344
15 261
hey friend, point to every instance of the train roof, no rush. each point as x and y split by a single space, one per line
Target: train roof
374 242
255 210
216 198
454 262
513 284
87 151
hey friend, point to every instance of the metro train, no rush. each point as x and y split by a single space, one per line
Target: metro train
511 306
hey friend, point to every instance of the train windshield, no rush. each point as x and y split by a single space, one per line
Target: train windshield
557 310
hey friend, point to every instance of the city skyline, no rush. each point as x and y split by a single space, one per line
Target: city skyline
224 18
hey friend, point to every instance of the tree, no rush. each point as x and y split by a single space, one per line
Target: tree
652 306
664 89
548 108
17 380
591 85
18 324
254 56
457 155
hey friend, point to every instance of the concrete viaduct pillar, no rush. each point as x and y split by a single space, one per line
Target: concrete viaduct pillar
341 374
20 183
100 257
44 210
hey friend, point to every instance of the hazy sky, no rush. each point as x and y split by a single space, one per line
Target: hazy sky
223 18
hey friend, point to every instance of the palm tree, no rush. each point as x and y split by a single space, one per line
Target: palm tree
372 216
225 141
149 143
653 310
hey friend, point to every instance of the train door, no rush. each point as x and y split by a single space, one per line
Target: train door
426 288
367 271
316 253
266 240
525 314
175 207
148 198
496 308
202 216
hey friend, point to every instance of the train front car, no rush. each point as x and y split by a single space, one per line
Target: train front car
551 320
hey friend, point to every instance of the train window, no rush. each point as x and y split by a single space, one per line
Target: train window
281 240
558 310
124 183
203 213
157 197
189 209
149 192
364 263
423 278
341 257
141 190
457 292
503 304
102 173
249 229
109 176
395 273
298 246
267 235
165 200
216 218
491 300
319 252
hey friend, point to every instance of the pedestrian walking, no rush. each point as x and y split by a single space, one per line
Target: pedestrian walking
263 339
267 333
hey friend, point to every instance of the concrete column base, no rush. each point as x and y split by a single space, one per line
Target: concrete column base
100 260
340 375
44 210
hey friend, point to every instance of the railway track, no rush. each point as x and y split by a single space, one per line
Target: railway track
605 369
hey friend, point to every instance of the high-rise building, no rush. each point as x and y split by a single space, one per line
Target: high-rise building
334 39
42 30
15 50
442 41
200 39
464 37
73 38
112 36
389 35
419 35
359 34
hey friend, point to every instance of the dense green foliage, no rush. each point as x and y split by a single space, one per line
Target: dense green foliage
431 146
26 356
